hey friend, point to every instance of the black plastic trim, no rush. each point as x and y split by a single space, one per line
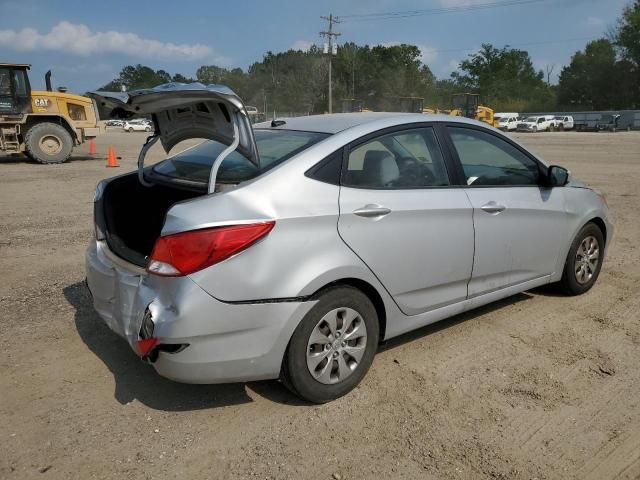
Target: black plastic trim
313 172
266 300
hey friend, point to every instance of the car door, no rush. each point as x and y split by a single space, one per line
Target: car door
520 223
399 214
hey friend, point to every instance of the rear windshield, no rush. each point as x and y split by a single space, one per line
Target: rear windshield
274 147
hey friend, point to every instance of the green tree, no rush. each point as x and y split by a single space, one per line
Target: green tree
595 79
501 76
627 34
138 76
178 77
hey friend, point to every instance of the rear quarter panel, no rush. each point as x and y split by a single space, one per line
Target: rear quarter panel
301 254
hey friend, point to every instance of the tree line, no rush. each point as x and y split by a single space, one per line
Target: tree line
605 75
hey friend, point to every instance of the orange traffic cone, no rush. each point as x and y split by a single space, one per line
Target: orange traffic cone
92 148
112 161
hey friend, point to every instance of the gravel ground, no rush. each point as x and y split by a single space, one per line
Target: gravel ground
535 386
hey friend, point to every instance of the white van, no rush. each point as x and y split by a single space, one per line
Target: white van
507 121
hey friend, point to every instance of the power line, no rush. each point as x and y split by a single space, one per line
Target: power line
516 45
434 11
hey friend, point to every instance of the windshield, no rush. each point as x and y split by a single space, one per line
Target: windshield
274 147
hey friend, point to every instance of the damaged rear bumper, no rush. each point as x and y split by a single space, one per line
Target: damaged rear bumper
219 342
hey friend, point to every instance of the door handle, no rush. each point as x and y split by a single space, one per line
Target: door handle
493 208
372 210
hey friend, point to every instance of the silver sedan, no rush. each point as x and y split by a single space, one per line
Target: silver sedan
291 249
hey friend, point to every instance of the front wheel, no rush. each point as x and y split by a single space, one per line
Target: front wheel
333 347
48 143
130 130
584 260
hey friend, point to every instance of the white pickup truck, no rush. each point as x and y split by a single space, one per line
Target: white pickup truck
507 121
564 122
541 123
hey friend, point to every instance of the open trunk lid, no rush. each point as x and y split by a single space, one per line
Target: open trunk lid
181 111
130 213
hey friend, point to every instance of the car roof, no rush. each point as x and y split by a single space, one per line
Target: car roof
337 122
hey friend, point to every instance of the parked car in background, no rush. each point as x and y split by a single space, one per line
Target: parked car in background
564 122
537 124
263 266
251 110
609 123
137 126
507 121
114 123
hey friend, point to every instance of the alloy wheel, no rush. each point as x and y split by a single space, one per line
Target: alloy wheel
587 258
336 345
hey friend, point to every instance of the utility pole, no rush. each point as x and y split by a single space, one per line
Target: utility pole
549 72
330 34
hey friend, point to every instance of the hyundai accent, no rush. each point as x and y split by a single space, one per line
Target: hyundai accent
290 249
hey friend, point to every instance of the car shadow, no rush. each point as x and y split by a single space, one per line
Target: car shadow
137 380
20 158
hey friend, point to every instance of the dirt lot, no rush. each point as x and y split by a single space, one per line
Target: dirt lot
536 386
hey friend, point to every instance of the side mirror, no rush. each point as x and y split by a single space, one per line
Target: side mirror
558 176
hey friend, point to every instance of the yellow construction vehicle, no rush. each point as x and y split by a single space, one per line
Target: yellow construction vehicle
350 105
45 125
468 105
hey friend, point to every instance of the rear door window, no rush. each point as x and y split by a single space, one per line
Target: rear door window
274 147
403 159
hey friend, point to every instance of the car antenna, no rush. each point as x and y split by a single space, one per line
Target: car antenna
277 123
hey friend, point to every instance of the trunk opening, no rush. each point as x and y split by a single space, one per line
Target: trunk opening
132 215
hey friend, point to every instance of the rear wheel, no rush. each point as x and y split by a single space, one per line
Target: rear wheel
333 347
584 260
48 143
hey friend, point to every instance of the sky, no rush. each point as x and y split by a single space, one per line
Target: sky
86 43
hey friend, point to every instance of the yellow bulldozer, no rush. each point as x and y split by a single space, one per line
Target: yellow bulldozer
468 105
45 125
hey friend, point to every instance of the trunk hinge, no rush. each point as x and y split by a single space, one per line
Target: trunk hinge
143 153
214 168
216 164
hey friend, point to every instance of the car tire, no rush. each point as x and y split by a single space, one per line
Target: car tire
48 143
580 273
330 357
130 130
535 129
147 129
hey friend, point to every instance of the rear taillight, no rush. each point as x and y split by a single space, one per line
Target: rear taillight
188 252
